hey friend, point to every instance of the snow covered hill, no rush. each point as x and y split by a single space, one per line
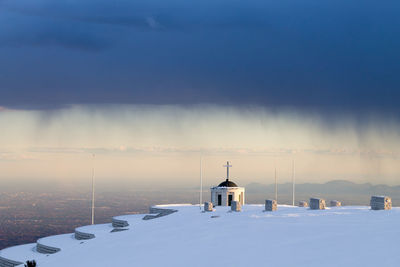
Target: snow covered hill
291 236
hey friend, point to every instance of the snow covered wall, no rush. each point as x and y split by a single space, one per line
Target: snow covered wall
185 236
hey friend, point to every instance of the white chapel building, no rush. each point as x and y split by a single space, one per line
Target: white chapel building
227 191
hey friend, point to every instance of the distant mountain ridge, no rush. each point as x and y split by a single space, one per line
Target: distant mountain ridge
336 187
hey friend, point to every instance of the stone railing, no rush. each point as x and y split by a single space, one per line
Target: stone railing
83 236
8 263
158 213
44 249
118 223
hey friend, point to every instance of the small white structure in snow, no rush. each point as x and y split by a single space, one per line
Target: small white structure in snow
336 203
208 206
236 206
227 191
303 204
271 205
317 204
381 203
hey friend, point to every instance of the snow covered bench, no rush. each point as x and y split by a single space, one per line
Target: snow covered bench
271 205
17 255
8 263
381 203
119 223
208 206
336 203
317 204
235 206
158 212
303 204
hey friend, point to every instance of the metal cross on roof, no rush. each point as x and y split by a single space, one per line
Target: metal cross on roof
227 170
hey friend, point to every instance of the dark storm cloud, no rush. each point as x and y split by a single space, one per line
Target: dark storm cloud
58 12
25 30
326 55
55 37
171 15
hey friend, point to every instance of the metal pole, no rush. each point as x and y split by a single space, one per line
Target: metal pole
276 187
93 190
201 182
293 180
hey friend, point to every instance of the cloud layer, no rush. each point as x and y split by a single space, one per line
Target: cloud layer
329 55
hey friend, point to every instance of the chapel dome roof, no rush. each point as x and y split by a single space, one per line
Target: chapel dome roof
227 183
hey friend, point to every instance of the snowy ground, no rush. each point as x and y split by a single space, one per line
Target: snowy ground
291 236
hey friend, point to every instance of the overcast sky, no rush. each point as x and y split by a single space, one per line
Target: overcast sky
159 83
333 54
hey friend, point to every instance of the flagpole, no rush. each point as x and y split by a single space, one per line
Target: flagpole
93 190
201 181
293 180
276 187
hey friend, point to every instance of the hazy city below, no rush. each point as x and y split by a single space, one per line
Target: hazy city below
28 215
